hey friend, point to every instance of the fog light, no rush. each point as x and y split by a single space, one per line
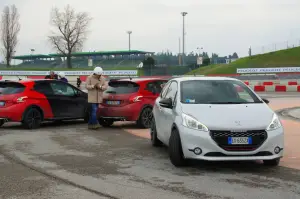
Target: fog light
277 150
197 151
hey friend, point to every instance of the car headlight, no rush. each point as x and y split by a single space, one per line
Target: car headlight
190 122
275 123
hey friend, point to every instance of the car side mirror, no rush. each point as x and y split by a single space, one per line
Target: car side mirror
266 101
166 103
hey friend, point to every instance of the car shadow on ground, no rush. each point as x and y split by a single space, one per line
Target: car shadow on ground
48 124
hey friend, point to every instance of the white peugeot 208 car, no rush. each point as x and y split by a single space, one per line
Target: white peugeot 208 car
216 119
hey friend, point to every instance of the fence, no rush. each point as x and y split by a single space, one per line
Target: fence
256 50
180 70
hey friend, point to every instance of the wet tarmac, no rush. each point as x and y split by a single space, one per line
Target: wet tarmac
69 161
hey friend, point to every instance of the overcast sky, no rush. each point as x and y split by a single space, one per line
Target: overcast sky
221 26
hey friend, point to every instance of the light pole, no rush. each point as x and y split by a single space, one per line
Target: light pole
183 34
129 33
199 49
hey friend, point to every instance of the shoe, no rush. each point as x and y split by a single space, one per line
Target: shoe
93 126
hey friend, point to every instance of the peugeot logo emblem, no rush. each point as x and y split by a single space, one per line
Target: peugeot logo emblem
238 123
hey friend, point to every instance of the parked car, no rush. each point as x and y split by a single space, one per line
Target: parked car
215 119
130 100
33 101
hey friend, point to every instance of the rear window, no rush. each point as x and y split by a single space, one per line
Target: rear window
122 87
7 88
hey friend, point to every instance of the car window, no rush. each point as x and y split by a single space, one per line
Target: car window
122 87
7 88
172 90
243 94
43 87
164 90
62 89
155 86
216 92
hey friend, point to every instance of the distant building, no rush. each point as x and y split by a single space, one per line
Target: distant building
218 60
229 60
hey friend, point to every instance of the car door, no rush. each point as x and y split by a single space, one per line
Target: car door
169 114
157 112
65 100
81 99
44 88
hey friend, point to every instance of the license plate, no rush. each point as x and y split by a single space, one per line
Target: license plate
113 102
2 103
239 140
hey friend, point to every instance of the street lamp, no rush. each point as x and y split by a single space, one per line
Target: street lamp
129 33
183 34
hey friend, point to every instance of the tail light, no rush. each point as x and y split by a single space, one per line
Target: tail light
20 99
135 99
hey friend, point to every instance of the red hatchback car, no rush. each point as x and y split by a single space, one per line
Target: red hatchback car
34 101
130 100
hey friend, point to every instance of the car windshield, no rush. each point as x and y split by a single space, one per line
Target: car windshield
122 87
7 88
216 92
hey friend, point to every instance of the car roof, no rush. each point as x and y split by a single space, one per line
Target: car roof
180 79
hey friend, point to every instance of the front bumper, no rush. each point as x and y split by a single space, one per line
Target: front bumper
211 151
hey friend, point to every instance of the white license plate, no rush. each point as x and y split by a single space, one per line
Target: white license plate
2 103
113 102
239 140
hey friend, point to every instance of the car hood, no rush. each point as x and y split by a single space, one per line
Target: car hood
231 117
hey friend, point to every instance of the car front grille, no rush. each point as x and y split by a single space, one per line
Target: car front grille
221 138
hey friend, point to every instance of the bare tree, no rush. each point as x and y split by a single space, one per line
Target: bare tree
70 31
10 28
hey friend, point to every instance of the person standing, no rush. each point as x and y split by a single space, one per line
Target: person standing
62 77
95 84
51 75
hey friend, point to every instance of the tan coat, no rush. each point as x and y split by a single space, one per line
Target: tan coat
95 94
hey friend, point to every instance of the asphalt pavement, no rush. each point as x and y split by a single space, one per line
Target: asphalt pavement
69 161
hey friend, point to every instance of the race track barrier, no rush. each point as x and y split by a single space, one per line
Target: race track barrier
293 83
292 88
36 77
280 88
259 88
268 83
276 88
270 88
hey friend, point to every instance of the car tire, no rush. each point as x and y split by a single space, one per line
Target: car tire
175 149
1 122
105 122
272 163
153 134
145 118
32 118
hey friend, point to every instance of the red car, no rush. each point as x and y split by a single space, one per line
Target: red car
130 100
34 101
